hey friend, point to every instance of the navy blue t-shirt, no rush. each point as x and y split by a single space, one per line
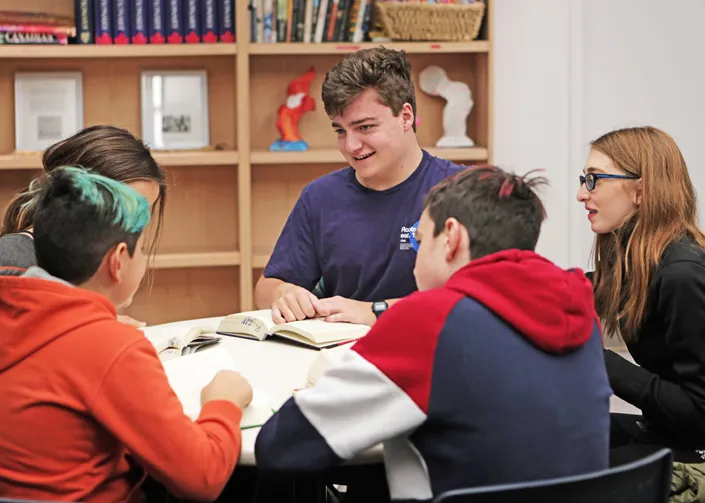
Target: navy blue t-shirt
360 241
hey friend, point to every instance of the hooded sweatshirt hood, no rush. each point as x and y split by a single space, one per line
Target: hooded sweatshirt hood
551 307
37 308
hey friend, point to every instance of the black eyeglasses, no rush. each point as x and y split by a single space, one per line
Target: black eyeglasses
591 179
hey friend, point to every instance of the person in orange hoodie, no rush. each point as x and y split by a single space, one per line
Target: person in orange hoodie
87 412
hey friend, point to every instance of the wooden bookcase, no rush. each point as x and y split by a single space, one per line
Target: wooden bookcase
225 208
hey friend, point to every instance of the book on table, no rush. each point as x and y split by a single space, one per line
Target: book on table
172 341
324 361
189 374
312 333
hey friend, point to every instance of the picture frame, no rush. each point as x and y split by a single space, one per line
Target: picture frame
48 108
174 106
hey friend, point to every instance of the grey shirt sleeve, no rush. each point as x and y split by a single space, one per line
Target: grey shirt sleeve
17 250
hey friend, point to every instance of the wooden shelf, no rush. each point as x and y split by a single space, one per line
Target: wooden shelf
167 159
184 260
116 51
232 203
334 156
279 49
195 158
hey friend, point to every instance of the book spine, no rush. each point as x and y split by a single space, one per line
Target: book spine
193 21
226 21
252 8
121 16
174 22
269 23
14 37
103 22
210 21
139 22
156 22
282 6
38 28
84 21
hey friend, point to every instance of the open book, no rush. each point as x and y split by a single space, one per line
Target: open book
312 333
189 375
172 341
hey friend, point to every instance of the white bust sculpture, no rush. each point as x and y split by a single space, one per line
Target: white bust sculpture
434 81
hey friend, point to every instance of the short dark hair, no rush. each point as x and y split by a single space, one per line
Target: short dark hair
500 210
385 70
79 217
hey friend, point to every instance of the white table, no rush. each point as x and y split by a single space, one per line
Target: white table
278 368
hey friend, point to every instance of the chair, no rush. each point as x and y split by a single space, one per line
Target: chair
647 480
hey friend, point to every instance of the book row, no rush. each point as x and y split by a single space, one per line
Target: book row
155 21
309 20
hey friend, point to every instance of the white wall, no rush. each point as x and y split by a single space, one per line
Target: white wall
531 103
564 78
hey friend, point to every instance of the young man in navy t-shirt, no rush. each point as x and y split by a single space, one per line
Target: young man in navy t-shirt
354 228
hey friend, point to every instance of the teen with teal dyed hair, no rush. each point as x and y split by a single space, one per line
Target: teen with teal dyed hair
87 408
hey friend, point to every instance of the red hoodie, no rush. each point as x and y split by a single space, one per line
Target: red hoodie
86 402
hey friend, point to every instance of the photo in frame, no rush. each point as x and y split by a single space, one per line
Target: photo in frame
175 109
48 108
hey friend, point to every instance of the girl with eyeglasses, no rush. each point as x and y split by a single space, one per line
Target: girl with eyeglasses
649 285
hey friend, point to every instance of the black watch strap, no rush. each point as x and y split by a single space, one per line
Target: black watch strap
379 307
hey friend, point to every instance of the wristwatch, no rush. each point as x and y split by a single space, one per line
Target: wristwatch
379 307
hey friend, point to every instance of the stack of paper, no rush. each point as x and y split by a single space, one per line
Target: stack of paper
189 374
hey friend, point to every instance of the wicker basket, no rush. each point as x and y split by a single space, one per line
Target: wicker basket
446 22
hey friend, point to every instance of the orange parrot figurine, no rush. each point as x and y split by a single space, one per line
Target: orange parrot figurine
298 102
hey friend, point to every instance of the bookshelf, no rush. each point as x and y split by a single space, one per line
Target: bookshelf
226 207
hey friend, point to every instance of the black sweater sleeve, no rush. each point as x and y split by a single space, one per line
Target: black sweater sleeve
678 403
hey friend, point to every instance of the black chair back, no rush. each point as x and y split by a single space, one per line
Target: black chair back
647 480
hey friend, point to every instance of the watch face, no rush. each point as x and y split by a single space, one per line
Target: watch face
379 306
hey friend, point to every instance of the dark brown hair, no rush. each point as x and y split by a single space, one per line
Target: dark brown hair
106 150
626 259
384 70
500 210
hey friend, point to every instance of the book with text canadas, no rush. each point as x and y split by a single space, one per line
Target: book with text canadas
312 333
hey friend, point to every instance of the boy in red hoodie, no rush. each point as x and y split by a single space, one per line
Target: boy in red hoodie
87 410
491 373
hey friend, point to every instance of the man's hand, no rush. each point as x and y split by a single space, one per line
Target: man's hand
130 321
348 310
296 303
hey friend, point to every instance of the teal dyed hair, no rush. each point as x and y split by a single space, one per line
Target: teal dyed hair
119 203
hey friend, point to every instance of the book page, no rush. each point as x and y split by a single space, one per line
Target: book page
254 323
320 331
173 336
189 374
326 359
165 337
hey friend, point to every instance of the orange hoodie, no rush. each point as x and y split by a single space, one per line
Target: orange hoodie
86 406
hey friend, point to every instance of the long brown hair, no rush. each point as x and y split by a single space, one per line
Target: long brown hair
626 259
107 150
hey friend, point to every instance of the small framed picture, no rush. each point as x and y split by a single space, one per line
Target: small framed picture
48 108
175 109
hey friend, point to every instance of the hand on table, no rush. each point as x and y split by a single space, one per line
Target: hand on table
340 309
297 303
228 385
130 321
